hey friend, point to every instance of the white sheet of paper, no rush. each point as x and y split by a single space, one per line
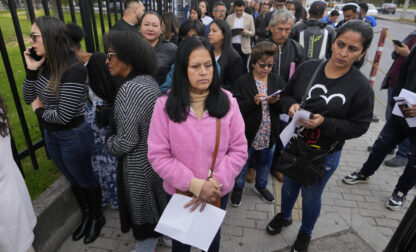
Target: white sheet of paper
410 98
288 132
195 228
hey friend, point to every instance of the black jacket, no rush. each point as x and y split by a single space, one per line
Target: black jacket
407 75
165 54
346 103
231 69
252 113
122 25
314 27
290 52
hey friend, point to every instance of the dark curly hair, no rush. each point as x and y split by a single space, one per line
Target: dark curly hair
4 122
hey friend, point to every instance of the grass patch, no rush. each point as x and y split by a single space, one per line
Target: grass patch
36 180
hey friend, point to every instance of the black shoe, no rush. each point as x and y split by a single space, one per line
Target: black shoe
355 178
96 221
265 194
396 201
82 201
302 243
369 148
275 226
236 197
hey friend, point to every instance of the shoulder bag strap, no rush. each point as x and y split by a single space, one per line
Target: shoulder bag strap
311 82
217 144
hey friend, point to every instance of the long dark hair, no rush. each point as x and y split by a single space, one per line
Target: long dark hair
4 122
188 25
226 43
59 54
178 103
171 24
364 29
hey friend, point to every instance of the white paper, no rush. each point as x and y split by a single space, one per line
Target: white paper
411 99
195 228
288 132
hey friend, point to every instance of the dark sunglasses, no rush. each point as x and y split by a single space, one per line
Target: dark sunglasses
33 36
265 65
109 55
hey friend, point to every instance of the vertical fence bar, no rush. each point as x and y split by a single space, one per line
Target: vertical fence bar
86 24
46 7
121 8
60 12
100 10
72 10
115 10
29 5
15 93
16 155
107 6
18 30
94 25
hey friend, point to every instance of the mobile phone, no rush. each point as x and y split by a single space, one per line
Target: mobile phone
276 93
401 102
398 43
33 55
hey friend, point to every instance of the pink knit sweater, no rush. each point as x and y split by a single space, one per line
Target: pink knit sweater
179 152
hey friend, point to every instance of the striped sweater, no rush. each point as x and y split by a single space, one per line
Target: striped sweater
62 112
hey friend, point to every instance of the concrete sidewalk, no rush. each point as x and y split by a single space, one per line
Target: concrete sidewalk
353 218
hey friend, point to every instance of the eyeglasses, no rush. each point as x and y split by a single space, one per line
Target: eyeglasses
33 36
265 65
109 55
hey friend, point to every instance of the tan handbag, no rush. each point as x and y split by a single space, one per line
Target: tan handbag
217 143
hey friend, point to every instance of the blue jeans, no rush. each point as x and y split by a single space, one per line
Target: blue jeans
393 133
262 162
71 150
311 195
403 148
215 245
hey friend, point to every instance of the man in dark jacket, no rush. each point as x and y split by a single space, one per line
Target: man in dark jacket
265 32
313 35
350 11
290 53
393 133
134 10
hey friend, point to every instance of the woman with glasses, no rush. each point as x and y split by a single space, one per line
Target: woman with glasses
140 192
182 135
55 86
260 109
151 31
228 58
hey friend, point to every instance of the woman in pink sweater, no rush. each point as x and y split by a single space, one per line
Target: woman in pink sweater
182 132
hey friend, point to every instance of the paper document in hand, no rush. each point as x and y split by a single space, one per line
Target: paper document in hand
288 132
410 98
195 228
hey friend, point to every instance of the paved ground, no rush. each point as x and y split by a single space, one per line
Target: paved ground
353 218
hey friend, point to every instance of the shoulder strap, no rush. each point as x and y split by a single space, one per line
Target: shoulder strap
311 82
217 144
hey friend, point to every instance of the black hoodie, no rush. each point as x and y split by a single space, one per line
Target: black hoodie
346 103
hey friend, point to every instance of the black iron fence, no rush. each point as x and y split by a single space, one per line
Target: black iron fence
106 9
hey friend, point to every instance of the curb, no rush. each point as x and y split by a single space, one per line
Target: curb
57 216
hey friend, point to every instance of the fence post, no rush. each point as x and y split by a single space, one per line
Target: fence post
16 99
18 30
46 7
29 5
377 57
72 10
86 24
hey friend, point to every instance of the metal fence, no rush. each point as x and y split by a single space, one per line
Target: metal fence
87 10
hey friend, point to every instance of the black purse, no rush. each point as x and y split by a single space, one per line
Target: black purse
103 115
300 162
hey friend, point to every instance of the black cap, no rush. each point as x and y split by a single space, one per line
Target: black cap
317 8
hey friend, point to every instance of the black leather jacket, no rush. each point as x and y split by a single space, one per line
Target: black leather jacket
165 54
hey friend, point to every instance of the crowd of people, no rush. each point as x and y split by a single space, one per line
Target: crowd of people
197 109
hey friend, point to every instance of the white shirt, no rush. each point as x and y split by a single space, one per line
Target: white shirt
206 20
238 23
217 57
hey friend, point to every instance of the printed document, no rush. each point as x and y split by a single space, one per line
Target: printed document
288 132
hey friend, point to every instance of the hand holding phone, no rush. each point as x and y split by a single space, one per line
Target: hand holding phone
275 94
33 55
398 43
33 61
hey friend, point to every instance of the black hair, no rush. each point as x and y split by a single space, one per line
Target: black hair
238 3
198 11
363 6
4 122
152 13
206 7
218 3
76 34
188 25
334 13
298 11
171 24
177 105
351 7
364 29
261 49
226 43
131 49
